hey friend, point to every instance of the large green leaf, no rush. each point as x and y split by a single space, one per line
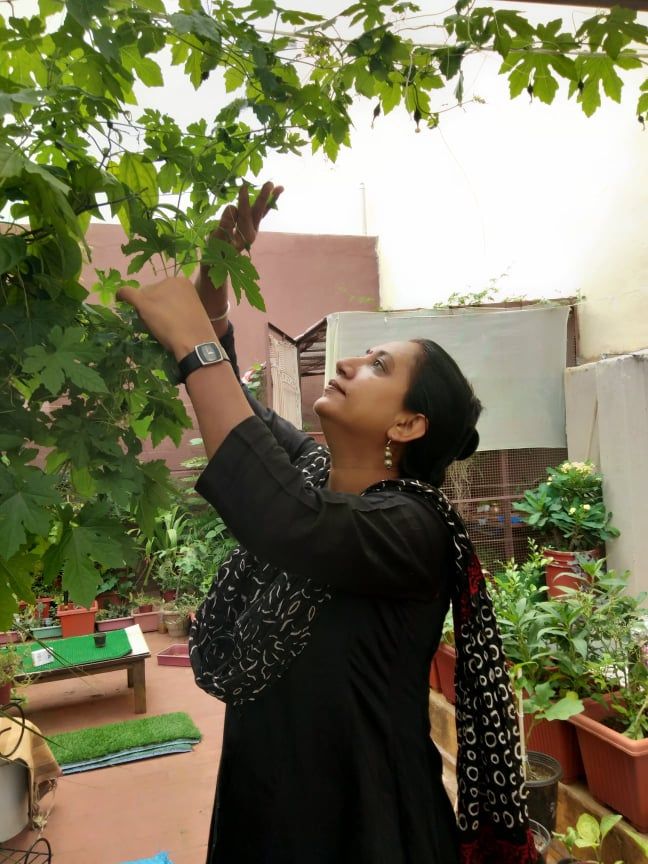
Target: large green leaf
139 175
26 495
62 360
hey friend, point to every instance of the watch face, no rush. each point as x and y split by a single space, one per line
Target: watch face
208 353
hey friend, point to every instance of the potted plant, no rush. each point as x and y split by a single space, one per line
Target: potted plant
613 729
114 587
76 620
146 612
176 614
568 511
46 628
114 617
10 666
525 625
589 834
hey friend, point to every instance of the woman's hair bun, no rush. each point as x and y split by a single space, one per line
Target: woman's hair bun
469 447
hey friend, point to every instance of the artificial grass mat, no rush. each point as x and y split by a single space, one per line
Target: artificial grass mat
97 742
75 651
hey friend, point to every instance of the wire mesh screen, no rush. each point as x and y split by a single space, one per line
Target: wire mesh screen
483 489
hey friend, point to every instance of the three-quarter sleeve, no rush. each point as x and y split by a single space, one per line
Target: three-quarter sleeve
383 543
294 441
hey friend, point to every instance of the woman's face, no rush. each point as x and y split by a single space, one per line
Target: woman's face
366 396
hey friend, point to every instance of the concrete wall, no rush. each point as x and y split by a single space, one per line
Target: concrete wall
607 421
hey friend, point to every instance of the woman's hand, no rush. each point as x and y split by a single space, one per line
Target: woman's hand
239 225
172 312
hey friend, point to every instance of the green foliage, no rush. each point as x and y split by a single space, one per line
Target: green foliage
589 833
568 508
10 664
114 610
81 384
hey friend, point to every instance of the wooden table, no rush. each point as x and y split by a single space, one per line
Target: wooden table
133 663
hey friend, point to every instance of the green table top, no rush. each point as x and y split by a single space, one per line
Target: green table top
76 651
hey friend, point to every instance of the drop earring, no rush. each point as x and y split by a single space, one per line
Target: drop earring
388 455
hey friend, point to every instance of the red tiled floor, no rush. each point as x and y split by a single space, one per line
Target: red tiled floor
131 811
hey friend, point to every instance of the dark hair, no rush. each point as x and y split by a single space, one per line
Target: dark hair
440 391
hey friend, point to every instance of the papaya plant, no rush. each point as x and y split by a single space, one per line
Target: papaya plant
81 384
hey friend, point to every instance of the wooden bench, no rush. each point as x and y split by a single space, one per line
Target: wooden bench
133 663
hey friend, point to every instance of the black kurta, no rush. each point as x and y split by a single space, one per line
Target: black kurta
333 762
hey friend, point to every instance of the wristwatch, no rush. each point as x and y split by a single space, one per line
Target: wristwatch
205 354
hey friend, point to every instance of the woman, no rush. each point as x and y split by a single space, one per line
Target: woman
320 629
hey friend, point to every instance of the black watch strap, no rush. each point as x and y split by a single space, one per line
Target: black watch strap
204 354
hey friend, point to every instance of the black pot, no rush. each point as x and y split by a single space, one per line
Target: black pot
542 839
542 793
100 640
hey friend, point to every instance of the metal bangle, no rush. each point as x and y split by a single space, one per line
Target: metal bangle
223 316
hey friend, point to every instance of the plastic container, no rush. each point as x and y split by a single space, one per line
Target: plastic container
542 800
174 655
148 621
50 632
114 624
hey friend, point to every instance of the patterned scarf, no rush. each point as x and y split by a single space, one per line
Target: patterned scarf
257 619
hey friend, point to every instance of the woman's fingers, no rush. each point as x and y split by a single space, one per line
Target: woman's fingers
260 207
228 222
128 295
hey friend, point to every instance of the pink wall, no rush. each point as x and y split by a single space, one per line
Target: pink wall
303 278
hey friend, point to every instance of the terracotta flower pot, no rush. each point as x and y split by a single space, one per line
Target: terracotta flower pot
564 571
108 598
435 680
446 660
5 693
559 740
616 766
77 621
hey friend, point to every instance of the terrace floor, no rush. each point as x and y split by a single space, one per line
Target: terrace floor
135 810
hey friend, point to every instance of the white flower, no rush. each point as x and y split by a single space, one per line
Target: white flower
586 507
572 510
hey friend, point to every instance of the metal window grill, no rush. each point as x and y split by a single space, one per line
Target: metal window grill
483 489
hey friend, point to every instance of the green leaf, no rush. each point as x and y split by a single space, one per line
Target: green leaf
61 360
81 11
15 584
607 824
234 78
139 175
83 482
25 494
588 828
83 546
155 495
564 708
11 162
13 250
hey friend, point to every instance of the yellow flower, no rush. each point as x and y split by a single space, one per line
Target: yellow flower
586 507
